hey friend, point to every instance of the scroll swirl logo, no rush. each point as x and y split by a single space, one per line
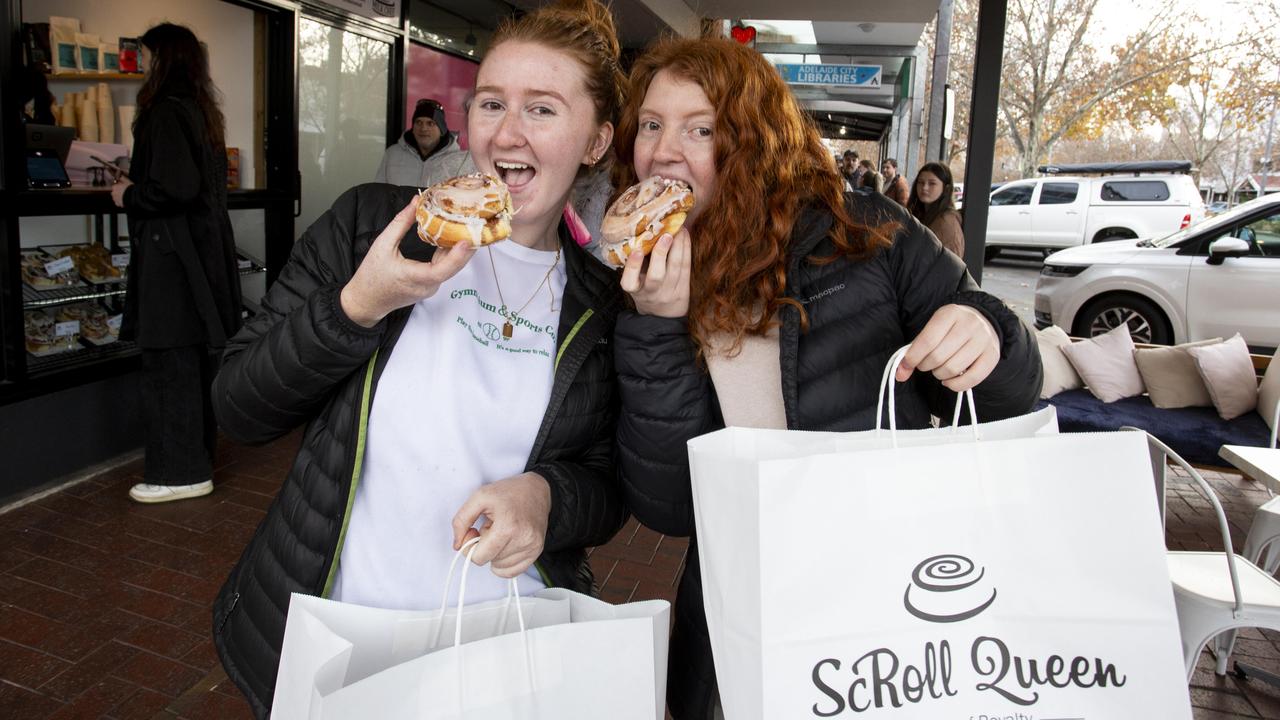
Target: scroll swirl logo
947 589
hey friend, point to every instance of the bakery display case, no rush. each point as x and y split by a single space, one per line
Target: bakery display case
64 252
64 371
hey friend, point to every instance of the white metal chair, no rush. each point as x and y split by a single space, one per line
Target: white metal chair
1262 544
1217 592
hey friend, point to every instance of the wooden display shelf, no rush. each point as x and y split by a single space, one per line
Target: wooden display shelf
94 76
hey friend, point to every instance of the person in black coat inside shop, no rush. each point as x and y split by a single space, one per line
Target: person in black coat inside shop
778 305
183 299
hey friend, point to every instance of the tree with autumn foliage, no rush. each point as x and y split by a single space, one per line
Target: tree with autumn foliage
1056 84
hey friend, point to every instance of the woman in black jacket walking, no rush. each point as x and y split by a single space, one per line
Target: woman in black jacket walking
422 412
778 305
183 299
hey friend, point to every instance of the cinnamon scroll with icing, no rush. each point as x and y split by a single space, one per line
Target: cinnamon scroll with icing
643 214
473 209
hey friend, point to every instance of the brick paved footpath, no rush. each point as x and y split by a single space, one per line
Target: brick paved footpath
104 603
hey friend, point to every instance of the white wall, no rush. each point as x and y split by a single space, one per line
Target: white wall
226 29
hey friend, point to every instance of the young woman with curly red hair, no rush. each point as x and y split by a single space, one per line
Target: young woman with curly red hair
779 303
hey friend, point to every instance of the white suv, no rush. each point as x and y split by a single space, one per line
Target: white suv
1132 200
1213 279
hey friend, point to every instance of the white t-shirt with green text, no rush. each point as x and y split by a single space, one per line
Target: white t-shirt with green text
457 406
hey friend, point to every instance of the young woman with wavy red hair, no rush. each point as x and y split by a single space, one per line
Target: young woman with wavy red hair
778 304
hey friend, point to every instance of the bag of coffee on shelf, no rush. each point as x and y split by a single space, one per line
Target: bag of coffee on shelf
62 39
90 50
110 58
35 44
128 55
233 168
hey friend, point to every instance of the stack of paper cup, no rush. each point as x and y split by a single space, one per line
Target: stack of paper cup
106 115
67 117
126 126
87 114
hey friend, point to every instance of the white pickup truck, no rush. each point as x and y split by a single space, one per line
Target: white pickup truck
1124 200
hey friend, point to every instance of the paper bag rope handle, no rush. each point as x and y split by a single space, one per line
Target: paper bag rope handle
513 594
889 368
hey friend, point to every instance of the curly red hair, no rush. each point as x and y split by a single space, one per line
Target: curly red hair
770 165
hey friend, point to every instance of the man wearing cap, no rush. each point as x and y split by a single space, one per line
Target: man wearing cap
427 153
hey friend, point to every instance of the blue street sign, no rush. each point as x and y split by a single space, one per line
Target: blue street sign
865 76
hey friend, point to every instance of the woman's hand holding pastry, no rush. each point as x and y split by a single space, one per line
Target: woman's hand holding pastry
663 289
958 345
386 280
516 511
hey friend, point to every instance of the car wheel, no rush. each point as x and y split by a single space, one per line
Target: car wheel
991 253
1147 324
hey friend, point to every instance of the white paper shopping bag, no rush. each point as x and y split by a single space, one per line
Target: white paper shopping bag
554 654
992 578
329 645
608 661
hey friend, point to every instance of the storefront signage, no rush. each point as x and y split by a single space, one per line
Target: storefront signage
858 76
384 10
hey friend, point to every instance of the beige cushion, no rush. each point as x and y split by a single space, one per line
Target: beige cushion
1058 373
1228 374
1269 392
1106 365
1171 376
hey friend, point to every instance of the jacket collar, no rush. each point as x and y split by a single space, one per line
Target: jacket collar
411 143
811 228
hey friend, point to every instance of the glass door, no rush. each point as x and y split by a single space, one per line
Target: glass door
343 86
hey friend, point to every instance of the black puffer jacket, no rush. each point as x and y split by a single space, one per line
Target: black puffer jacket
860 313
303 361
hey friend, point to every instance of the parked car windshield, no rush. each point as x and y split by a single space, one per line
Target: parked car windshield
1226 218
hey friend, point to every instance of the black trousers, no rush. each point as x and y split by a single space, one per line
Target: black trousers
178 415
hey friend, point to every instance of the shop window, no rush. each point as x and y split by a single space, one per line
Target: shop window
444 78
342 112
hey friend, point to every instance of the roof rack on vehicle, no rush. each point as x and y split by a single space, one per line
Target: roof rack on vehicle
1109 168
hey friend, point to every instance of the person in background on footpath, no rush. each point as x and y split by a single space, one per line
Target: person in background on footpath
840 168
933 203
895 186
183 294
427 153
854 168
871 181
777 305
420 416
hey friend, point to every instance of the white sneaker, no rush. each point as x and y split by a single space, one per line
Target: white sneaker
148 493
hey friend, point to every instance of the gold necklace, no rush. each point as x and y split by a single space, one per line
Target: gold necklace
507 317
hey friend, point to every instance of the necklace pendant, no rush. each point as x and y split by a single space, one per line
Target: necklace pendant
506 330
